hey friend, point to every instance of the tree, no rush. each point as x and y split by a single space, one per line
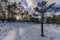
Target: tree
10 9
49 20
14 5
54 19
43 9
1 8
57 19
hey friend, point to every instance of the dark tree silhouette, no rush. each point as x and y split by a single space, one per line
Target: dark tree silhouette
43 9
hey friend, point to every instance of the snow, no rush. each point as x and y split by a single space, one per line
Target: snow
28 31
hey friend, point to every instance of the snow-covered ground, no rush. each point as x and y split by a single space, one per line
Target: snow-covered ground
28 31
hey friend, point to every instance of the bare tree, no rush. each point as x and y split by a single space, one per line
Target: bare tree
43 8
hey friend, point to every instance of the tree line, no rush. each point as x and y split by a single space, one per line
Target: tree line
13 10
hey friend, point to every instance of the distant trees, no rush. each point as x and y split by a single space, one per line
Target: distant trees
18 9
49 20
9 12
55 19
34 20
0 8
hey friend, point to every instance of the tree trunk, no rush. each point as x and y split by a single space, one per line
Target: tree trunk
42 33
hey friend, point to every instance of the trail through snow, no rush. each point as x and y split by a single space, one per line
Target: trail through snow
28 31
